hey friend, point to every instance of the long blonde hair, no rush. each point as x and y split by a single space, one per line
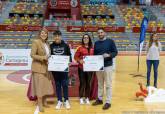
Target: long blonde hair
45 30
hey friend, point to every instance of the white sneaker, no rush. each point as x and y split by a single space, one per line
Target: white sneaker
59 105
67 104
81 101
87 101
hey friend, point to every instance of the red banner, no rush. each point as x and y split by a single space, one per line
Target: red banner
161 30
150 29
94 29
90 29
60 4
63 4
52 28
25 28
74 28
114 29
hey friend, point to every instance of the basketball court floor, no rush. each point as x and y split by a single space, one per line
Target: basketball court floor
13 89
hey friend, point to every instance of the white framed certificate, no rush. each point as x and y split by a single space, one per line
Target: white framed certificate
58 63
93 63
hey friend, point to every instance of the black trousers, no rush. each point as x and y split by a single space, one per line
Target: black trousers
85 83
61 83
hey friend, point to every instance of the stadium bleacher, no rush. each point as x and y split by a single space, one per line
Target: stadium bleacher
92 15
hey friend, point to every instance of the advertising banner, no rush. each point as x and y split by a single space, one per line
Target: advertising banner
15 59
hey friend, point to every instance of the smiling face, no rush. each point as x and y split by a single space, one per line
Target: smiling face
43 35
86 39
57 39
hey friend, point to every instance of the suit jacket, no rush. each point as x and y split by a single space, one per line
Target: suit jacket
38 54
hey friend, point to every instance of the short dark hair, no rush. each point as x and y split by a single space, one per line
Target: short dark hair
101 29
57 32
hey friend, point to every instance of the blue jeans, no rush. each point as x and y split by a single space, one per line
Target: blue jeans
61 82
155 67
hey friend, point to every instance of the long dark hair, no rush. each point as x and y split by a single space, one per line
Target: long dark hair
151 40
90 40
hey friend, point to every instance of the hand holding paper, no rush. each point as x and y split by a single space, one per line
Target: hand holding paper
105 55
58 63
93 63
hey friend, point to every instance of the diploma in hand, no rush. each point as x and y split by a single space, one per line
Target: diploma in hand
93 63
58 63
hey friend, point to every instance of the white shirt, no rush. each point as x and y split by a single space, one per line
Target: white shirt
47 49
153 51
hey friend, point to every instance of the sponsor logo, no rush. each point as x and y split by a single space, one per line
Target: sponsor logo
74 3
54 2
1 58
75 29
16 60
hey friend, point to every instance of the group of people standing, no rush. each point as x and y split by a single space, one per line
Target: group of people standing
42 79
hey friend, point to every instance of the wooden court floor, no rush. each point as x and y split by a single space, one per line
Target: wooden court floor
13 95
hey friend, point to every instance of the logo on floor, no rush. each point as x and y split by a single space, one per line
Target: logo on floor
21 77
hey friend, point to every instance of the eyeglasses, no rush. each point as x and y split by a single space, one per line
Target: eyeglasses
86 37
